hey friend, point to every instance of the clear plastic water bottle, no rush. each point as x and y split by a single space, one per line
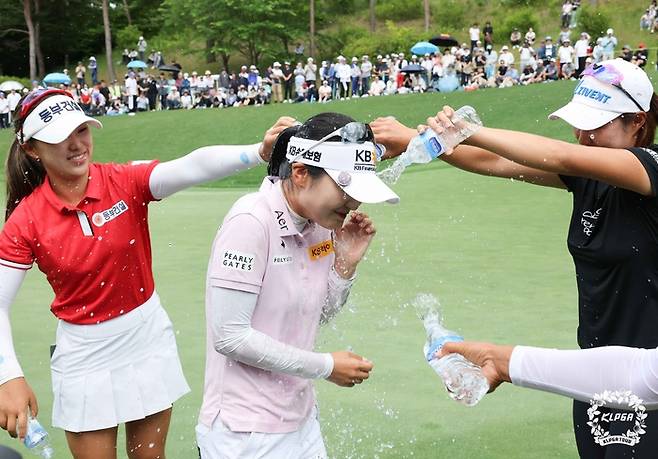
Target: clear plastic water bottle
429 145
463 379
37 440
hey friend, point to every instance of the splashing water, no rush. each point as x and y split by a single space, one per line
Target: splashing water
392 173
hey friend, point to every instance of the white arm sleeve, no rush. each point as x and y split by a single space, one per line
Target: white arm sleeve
10 282
580 374
338 289
230 322
202 165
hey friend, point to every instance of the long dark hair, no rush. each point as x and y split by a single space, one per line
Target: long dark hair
23 173
313 128
647 133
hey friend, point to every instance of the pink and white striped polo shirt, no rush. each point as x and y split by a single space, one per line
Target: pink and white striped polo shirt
258 249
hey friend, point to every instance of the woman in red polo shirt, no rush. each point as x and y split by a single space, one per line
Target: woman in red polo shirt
85 226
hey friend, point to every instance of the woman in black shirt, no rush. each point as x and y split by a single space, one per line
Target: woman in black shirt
612 174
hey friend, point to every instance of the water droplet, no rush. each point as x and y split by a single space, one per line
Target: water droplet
591 136
132 241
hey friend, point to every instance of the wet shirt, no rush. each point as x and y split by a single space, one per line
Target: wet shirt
96 255
259 250
613 238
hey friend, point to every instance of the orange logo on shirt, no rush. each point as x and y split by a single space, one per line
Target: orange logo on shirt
321 250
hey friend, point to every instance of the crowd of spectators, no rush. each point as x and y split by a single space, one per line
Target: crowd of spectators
525 60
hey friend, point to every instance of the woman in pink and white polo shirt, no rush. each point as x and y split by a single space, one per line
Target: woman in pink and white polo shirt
283 262
85 225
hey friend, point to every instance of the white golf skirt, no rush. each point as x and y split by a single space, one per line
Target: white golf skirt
219 442
117 371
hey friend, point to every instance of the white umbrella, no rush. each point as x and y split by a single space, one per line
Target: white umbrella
10 84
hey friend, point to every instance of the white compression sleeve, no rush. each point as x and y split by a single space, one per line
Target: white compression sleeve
580 374
10 282
338 289
202 165
230 323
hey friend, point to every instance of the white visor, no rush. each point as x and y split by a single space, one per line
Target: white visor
353 166
54 119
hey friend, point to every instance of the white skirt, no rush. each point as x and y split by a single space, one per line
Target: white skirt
120 370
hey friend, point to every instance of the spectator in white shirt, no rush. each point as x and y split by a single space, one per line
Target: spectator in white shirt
525 55
13 99
474 34
378 87
4 111
582 51
565 54
506 55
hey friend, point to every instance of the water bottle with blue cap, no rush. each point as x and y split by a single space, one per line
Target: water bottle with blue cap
463 379
37 440
429 145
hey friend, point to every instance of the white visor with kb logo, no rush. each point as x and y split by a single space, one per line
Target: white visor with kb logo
353 166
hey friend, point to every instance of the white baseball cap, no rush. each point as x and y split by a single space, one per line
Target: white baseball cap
54 119
352 166
607 90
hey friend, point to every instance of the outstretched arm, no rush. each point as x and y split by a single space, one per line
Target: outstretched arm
396 136
578 374
212 163
615 166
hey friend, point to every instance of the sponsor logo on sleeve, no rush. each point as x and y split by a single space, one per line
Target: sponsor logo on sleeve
321 250
238 261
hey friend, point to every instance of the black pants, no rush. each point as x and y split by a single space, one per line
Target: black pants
581 65
287 90
588 449
4 120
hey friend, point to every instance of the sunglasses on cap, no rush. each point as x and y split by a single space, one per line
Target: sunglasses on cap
37 95
607 73
354 132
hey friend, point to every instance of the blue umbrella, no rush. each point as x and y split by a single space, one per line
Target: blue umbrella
424 47
137 65
57 78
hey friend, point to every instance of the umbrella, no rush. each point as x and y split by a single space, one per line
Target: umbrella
413 68
423 47
444 40
169 68
137 65
10 84
57 78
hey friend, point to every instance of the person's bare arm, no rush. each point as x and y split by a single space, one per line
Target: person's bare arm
395 136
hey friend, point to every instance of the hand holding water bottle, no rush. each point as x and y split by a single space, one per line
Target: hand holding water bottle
463 379
493 359
16 398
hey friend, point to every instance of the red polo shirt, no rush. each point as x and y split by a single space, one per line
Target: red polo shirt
96 255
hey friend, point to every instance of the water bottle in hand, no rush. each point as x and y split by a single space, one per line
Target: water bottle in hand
463 379
429 145
37 440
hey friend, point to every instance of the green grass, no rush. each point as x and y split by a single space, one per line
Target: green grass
492 250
